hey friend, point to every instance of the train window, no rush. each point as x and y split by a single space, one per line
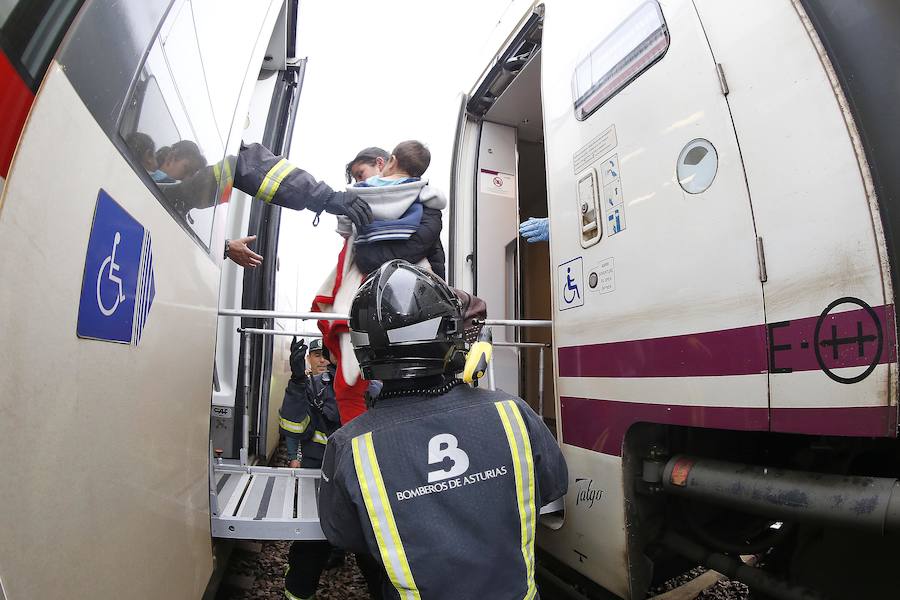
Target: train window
632 47
225 55
168 128
30 33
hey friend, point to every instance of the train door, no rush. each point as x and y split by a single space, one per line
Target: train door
496 248
658 303
828 286
499 180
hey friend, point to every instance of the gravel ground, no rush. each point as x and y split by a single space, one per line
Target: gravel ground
725 589
344 583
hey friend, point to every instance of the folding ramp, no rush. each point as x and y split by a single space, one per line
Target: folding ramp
269 503
265 503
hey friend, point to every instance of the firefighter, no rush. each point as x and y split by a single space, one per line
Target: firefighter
442 482
308 416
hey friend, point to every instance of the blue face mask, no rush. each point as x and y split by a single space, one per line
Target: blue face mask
378 181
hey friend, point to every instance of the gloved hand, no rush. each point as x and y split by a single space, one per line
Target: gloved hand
535 230
298 360
349 204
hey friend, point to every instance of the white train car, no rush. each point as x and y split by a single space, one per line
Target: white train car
721 184
111 284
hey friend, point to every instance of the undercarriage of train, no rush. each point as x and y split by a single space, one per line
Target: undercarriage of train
815 516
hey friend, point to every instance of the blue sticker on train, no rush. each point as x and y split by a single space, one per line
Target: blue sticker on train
118 285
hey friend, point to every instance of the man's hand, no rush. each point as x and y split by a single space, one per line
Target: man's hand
298 360
349 204
241 254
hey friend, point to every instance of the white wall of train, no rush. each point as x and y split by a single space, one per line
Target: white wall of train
711 198
105 445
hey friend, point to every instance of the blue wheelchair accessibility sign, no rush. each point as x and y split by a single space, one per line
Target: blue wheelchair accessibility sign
570 279
118 287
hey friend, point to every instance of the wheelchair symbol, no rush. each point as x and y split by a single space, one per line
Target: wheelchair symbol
110 261
572 287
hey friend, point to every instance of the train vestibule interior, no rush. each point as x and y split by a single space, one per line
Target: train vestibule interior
511 187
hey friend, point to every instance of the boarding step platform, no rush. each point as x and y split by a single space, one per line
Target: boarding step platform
272 503
265 503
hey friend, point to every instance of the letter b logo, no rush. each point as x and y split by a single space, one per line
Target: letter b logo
444 451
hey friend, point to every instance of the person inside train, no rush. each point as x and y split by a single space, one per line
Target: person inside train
178 162
440 481
535 229
143 148
308 416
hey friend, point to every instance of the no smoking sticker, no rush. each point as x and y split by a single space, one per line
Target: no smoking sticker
496 182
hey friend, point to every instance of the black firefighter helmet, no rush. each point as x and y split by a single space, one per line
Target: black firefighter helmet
406 322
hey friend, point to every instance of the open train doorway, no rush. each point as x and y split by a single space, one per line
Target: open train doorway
500 181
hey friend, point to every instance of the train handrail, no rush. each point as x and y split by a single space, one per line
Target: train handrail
323 316
318 334
247 332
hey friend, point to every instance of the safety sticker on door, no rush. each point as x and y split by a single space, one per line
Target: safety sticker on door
570 280
495 182
118 286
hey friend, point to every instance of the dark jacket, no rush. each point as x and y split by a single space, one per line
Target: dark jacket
452 485
274 179
259 173
424 243
309 413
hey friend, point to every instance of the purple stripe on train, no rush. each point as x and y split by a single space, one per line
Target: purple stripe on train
860 337
600 425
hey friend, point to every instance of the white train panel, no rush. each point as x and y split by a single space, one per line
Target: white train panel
822 240
592 538
116 434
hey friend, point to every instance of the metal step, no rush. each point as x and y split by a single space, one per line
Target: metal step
272 503
265 503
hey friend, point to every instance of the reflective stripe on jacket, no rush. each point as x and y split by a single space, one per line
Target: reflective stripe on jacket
274 179
445 491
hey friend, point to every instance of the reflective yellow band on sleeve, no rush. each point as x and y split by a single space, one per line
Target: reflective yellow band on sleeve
378 506
222 172
320 438
292 426
229 175
523 466
273 179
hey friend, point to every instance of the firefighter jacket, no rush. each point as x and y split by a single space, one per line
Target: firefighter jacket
445 491
273 179
257 172
309 413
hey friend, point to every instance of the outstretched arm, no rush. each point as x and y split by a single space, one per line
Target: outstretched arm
274 179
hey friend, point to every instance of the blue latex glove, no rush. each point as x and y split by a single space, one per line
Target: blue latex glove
535 230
